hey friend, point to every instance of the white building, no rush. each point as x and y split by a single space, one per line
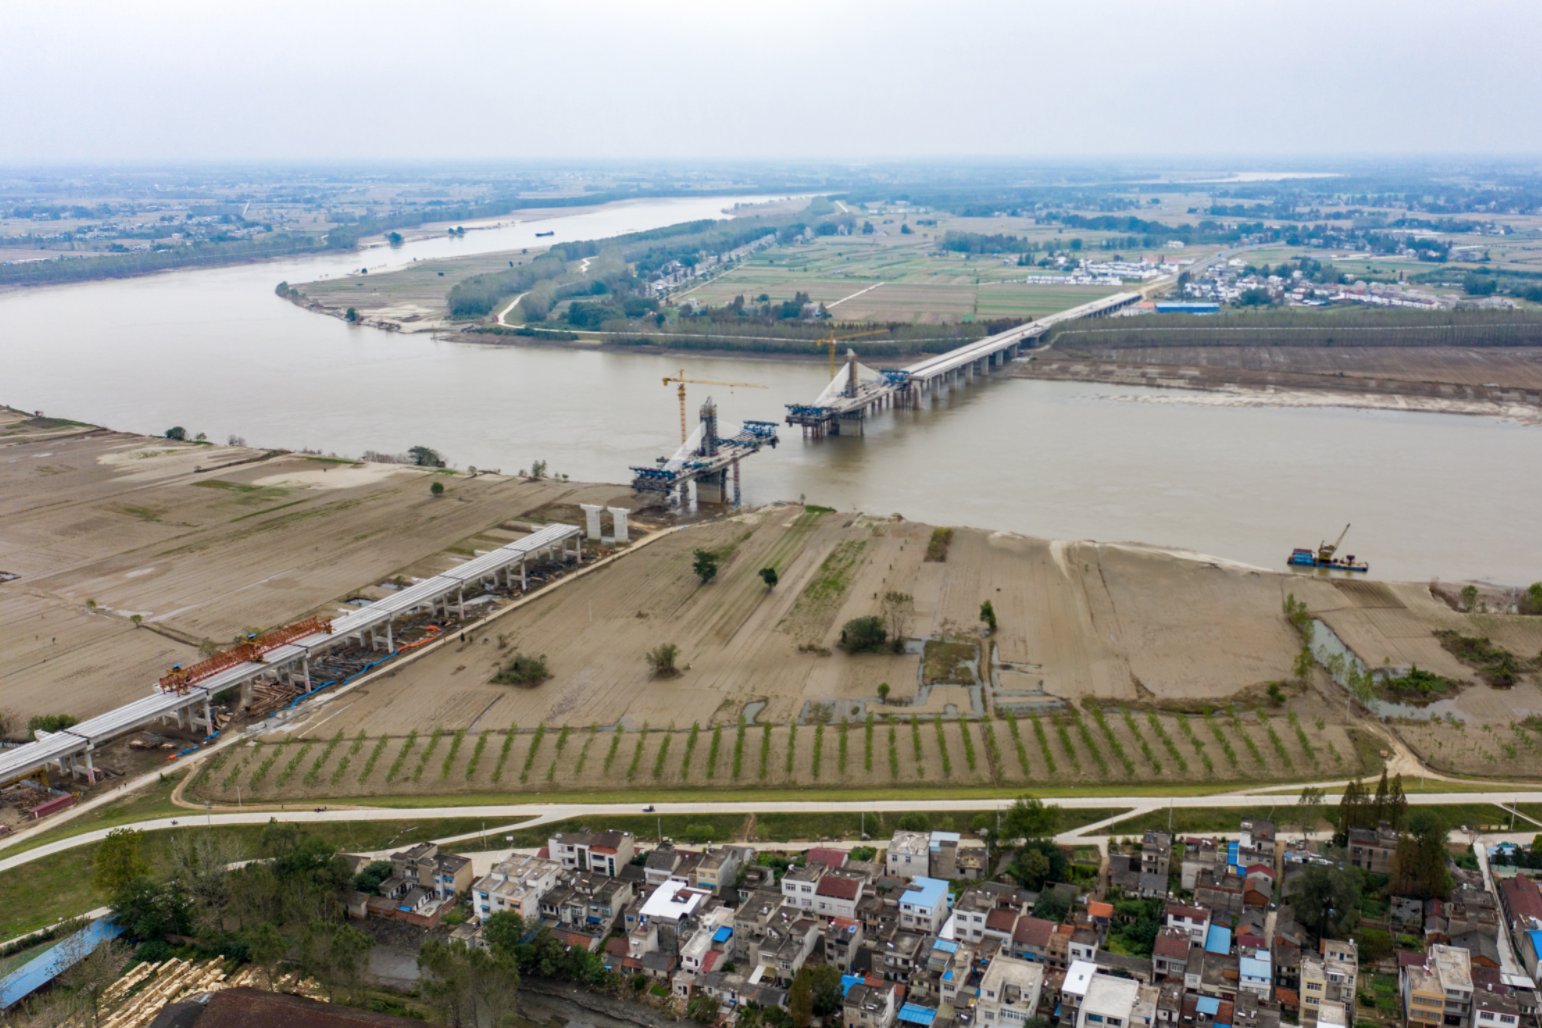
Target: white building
1109 1002
910 854
1009 992
516 885
924 906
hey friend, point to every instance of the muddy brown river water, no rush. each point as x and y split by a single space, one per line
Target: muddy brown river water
1430 495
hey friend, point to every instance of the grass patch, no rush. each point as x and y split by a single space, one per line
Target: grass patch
944 661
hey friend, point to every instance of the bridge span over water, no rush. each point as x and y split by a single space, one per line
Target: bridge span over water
858 391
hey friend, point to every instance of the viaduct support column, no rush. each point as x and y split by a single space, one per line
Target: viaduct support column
592 512
620 513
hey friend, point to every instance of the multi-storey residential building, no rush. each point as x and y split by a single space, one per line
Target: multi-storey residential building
516 885
1009 992
1193 920
1256 842
1372 848
1452 969
1495 1008
924 906
1200 855
606 852
910 855
1329 975
799 883
870 1006
838 894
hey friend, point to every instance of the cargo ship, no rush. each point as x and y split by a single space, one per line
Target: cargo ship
553 232
1326 556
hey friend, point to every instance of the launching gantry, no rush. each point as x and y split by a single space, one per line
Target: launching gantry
707 458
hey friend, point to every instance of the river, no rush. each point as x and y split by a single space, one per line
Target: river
1430 495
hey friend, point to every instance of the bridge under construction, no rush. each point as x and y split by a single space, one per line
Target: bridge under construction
857 391
186 694
709 457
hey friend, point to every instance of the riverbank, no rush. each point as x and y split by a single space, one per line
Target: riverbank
1513 392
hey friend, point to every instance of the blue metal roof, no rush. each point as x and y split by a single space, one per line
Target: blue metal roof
927 892
1187 308
915 1013
1208 1005
1218 941
949 946
55 960
1252 967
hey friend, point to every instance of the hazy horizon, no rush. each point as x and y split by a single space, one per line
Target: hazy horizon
1240 86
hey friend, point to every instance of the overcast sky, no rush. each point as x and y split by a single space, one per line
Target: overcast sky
321 80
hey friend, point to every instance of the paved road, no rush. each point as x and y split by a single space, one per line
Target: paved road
503 817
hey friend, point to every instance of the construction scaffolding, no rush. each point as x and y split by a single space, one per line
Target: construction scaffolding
709 458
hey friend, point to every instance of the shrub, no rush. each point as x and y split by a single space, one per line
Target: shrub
642 740
663 754
401 757
893 748
291 767
583 754
768 576
615 744
476 754
1090 743
503 754
765 749
988 615
819 745
1017 741
1064 735
704 564
1038 733
661 659
51 723
942 747
1167 742
712 751
739 749
524 669
937 546
428 751
374 757
314 774
864 635
1118 747
437 488
792 745
449 758
992 755
690 748
968 741
1226 747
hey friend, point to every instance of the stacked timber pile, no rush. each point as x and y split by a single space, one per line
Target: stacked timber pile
268 697
134 1000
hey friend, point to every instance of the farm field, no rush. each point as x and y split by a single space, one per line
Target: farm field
100 526
1102 747
895 278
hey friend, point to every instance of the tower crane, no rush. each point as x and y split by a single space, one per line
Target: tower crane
1325 552
680 378
836 339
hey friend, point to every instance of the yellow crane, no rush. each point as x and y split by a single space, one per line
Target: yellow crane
706 382
836 339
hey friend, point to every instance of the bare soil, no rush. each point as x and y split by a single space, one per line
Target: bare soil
1499 376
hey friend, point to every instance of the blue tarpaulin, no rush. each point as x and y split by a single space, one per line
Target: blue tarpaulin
1208 1005
723 934
55 960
